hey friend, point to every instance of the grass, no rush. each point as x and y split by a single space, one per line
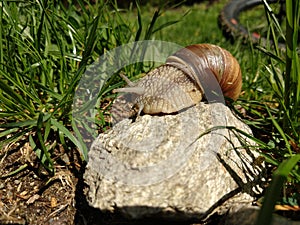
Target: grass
285 122
46 47
45 50
44 54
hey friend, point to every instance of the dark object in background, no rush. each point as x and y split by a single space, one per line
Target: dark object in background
233 29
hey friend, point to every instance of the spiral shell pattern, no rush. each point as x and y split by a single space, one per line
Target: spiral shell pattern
219 61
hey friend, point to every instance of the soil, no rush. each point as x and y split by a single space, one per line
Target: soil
30 195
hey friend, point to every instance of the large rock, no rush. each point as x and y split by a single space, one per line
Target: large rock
173 165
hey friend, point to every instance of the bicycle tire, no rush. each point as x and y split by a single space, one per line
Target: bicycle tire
229 20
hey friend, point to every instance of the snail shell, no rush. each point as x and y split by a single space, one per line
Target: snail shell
180 83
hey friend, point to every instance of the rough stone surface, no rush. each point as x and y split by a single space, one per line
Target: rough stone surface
171 165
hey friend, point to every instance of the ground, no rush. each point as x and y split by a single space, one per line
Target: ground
31 196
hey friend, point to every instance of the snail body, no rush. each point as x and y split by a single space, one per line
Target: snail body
185 77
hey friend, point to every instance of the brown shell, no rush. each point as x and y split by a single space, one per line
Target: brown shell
219 61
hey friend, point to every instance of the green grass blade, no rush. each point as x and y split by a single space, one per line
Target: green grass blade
19 124
164 25
140 24
83 148
292 92
1 38
44 155
19 101
70 136
169 23
12 173
15 137
281 131
274 190
150 28
260 143
7 132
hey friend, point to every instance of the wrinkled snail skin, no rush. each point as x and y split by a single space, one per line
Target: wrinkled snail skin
165 89
175 86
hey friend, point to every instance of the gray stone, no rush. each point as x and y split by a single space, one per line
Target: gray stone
178 166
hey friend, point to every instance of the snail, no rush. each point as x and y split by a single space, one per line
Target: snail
185 77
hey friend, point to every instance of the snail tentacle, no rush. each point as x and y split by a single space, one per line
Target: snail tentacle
129 82
135 90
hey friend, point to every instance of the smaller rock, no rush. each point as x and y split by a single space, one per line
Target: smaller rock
243 214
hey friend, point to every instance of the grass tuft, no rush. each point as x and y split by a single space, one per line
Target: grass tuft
45 49
284 118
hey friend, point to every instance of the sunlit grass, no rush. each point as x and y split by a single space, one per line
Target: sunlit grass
45 48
